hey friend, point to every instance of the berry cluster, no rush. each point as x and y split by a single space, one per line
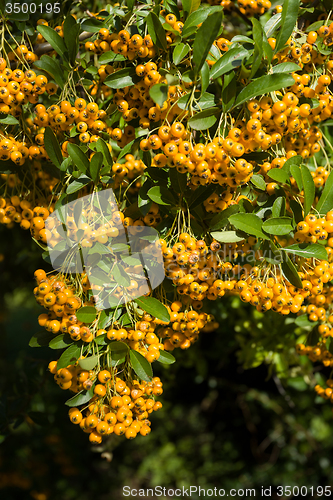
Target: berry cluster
220 149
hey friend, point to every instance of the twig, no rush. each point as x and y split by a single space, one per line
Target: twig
243 16
282 391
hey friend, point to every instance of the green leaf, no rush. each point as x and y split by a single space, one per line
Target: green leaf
309 189
304 322
95 166
71 35
159 93
130 4
99 248
141 366
295 171
264 85
266 46
203 101
92 70
226 236
81 398
101 339
125 320
204 120
258 181
199 195
313 336
120 247
278 225
110 57
316 25
102 147
92 25
17 17
179 52
198 17
119 352
52 147
325 203
89 363
279 207
257 33
230 60
287 67
220 220
242 39
54 39
307 250
271 253
78 184
229 90
65 164
86 314
79 158
118 346
121 78
294 160
248 223
272 24
153 307
289 271
120 275
69 357
126 149
105 318
61 341
51 66
74 132
41 339
279 175
190 6
156 31
144 202
204 39
166 358
288 20
178 180
297 211
9 120
161 195
204 77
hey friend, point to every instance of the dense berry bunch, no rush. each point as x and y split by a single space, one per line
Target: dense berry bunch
214 141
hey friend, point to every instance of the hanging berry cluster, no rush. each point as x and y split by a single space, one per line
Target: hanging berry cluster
215 142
